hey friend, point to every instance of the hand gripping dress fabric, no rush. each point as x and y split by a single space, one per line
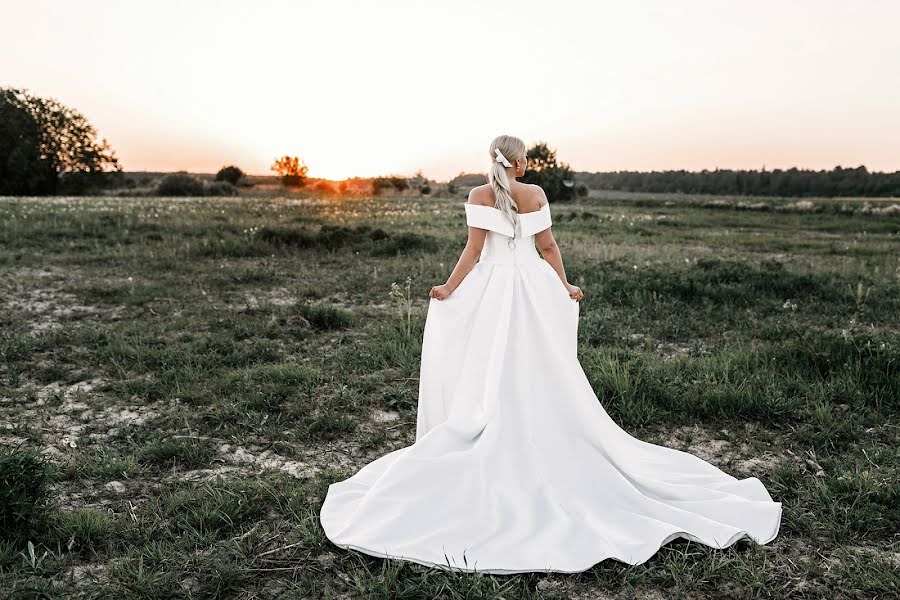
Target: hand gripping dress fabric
516 466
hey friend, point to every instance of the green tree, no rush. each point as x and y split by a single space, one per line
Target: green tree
231 174
290 170
47 147
557 179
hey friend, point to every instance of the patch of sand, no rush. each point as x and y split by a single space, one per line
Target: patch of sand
46 309
64 412
725 450
266 460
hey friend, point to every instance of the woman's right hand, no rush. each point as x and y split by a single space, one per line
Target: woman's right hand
575 292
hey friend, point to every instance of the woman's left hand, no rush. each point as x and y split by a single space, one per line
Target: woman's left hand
575 292
440 292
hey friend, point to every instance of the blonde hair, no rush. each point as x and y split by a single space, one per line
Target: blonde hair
511 148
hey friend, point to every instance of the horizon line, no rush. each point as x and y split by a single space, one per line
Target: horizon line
761 169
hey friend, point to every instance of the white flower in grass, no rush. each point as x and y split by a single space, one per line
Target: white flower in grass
788 305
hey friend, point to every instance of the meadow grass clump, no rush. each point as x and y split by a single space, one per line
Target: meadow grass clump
24 495
214 508
169 453
90 530
329 426
324 317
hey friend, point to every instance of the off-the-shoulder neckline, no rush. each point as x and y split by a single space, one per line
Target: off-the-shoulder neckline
495 208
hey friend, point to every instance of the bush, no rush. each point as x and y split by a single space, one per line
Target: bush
292 170
221 188
581 190
185 184
24 481
380 184
231 174
180 184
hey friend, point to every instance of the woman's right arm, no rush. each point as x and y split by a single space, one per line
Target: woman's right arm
546 243
550 251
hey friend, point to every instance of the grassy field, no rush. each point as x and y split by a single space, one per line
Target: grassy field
191 374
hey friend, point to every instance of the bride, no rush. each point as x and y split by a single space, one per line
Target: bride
516 466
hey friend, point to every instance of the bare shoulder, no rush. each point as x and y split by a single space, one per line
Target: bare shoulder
481 194
531 197
538 193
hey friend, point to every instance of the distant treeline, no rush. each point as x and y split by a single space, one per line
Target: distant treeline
778 182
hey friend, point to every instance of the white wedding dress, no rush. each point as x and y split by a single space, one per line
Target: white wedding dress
516 466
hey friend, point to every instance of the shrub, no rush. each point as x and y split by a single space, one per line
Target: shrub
400 183
292 170
231 174
180 184
185 184
221 188
380 184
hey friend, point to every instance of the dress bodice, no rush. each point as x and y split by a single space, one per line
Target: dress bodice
503 244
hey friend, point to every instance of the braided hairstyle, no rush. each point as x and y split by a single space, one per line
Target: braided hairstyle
504 150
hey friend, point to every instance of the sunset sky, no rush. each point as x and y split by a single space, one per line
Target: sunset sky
357 88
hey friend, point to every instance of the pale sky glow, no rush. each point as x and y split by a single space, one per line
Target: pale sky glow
372 88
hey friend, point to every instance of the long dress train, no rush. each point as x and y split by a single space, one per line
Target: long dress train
516 466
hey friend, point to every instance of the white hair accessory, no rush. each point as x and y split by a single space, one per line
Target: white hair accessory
501 158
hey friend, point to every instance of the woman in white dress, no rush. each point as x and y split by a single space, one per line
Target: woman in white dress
516 466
